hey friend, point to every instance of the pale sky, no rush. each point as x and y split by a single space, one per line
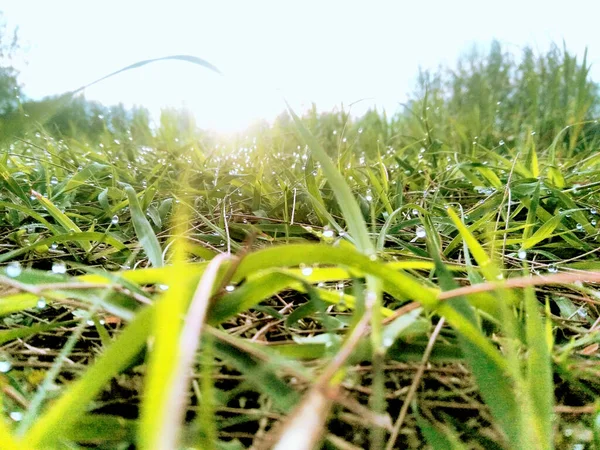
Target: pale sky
328 52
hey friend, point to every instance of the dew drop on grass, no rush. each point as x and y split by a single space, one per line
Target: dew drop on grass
54 181
230 288
163 287
90 322
41 303
552 268
522 254
5 365
593 211
17 416
306 271
54 246
387 342
368 198
328 233
360 130
579 227
501 142
593 222
14 269
59 267
421 233
114 220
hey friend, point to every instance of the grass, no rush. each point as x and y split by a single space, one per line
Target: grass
425 279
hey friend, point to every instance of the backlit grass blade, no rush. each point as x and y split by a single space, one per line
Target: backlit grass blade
349 206
143 229
172 360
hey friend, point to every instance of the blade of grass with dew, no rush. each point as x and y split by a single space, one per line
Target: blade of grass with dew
143 229
61 218
544 232
83 237
31 213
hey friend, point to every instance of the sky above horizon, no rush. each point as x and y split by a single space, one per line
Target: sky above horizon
326 52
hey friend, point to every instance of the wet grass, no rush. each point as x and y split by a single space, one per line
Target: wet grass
384 282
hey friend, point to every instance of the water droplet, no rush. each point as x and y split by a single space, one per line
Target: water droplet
334 131
307 271
59 267
579 226
593 211
501 142
41 303
230 288
533 133
387 342
13 269
89 322
114 220
54 246
522 254
163 287
421 233
594 222
5 365
328 233
360 130
552 268
368 198
582 313
17 416
54 181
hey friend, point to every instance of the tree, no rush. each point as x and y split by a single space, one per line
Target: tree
10 90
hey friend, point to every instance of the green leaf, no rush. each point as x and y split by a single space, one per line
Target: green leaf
143 229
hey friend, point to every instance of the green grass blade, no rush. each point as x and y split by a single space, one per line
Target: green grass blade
143 229
347 202
65 411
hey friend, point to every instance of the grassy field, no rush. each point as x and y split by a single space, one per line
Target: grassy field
325 281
